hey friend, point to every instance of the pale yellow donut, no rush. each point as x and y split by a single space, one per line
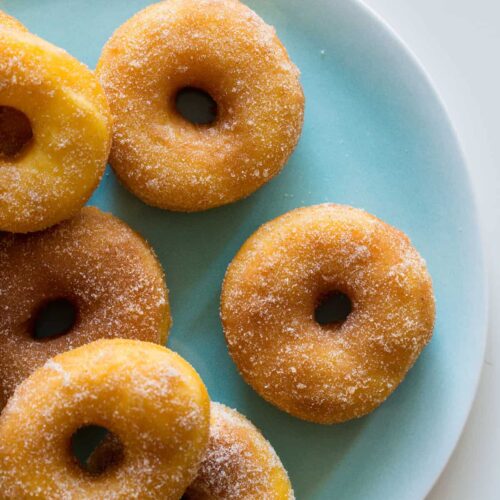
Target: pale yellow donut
334 372
53 175
239 464
148 396
225 49
7 21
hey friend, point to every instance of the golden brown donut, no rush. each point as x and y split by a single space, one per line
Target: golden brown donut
239 463
334 372
223 48
55 131
146 395
96 262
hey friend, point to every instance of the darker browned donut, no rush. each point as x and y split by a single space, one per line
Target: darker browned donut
95 261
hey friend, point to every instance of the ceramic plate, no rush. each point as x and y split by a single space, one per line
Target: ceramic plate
375 136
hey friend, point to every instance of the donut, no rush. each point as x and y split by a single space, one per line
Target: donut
7 21
224 49
98 265
146 395
239 463
55 131
332 372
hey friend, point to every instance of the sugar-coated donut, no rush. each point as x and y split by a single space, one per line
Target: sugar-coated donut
97 263
146 395
334 372
7 21
54 111
239 463
221 47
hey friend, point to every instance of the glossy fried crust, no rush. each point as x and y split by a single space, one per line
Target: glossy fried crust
100 265
148 396
59 168
335 372
225 49
239 463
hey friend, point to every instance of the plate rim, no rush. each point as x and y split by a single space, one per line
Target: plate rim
483 322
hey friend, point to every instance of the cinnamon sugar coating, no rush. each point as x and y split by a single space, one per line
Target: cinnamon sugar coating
148 396
60 166
95 261
239 464
335 372
225 49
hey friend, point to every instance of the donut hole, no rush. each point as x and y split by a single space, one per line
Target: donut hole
196 106
95 449
15 132
332 308
54 318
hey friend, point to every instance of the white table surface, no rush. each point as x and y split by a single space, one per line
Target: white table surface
458 43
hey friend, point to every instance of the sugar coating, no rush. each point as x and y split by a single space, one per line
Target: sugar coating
71 123
224 48
239 463
326 373
7 21
145 394
96 262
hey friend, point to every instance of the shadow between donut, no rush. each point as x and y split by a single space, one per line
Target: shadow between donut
322 447
194 248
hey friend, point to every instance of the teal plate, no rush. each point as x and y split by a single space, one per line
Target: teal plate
375 136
